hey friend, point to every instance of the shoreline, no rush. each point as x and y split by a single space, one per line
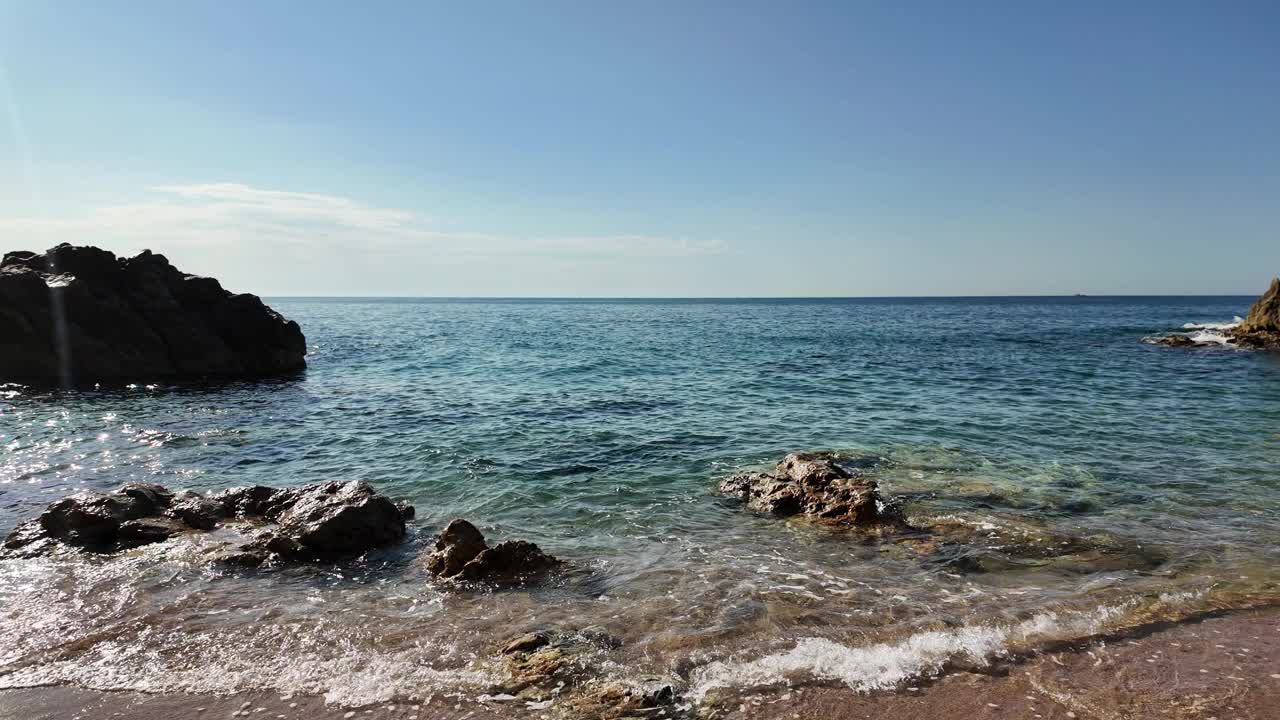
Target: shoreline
1223 664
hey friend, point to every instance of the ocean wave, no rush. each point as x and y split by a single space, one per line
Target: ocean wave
1235 323
888 665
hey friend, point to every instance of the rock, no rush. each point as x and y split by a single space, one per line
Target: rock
510 561
1174 340
461 553
526 643
1264 316
196 510
80 315
1261 328
92 520
145 531
818 486
459 543
251 501
336 519
311 522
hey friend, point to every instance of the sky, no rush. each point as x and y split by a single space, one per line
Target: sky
656 149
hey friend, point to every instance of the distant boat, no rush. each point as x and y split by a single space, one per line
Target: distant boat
1081 295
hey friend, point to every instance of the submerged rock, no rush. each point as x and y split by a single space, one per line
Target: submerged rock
818 486
80 315
461 553
1174 340
322 521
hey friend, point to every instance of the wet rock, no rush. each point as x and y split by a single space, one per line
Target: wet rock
80 315
322 522
818 486
462 553
145 531
246 556
250 501
526 643
338 518
1174 340
459 543
196 510
92 520
615 700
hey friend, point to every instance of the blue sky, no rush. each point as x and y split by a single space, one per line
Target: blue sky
652 149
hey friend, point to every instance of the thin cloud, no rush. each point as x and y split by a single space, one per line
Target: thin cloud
230 215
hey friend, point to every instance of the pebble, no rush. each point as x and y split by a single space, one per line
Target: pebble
1275 676
350 715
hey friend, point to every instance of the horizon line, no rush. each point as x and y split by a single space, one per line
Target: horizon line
1079 296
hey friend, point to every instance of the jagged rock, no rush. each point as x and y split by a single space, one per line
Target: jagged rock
249 501
461 553
196 510
1260 330
818 486
1264 315
93 520
337 518
80 315
322 521
458 543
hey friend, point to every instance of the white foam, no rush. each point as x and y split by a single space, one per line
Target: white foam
1235 323
886 665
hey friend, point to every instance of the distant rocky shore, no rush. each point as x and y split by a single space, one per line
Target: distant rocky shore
1260 329
80 316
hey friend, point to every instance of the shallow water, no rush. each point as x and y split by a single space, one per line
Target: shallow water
599 430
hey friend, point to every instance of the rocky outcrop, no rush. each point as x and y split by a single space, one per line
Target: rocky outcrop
461 553
80 315
97 521
325 521
1261 328
818 486
829 488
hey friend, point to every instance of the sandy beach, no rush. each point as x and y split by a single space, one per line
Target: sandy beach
1225 667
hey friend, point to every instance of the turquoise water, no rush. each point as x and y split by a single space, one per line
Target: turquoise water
599 430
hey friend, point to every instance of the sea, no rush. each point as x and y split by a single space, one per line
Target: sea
600 429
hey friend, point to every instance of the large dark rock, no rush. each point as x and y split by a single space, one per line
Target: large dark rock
336 518
818 486
323 521
461 553
96 521
80 315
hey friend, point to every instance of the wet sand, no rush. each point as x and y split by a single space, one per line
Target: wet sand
1225 667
